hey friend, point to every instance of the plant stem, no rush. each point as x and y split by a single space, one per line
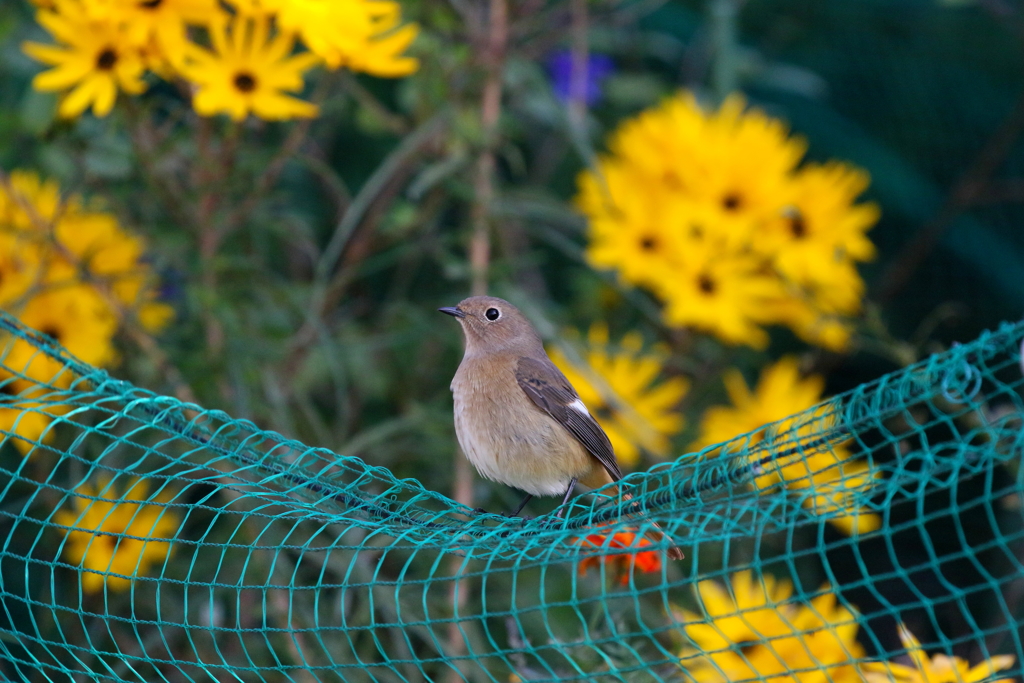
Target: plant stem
579 73
723 37
493 59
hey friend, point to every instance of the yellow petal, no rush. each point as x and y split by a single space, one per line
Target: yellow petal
48 54
106 95
79 99
61 77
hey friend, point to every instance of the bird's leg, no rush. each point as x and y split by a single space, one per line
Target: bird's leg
568 493
519 508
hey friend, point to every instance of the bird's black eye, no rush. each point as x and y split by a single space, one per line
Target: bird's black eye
492 314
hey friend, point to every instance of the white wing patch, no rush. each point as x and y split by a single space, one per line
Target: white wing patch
578 406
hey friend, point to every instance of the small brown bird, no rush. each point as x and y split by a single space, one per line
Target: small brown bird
517 418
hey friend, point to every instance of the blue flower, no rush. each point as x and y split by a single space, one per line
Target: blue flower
599 67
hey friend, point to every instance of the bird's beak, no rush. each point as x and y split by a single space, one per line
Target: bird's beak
453 311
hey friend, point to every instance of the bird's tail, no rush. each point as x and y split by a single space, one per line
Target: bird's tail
601 477
654 534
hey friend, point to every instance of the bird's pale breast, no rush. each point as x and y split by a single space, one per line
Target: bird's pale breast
506 437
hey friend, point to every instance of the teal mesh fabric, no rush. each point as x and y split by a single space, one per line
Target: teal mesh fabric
242 555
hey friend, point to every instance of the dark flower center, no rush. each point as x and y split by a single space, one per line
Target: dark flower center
649 243
51 331
706 284
732 202
150 4
106 60
672 180
797 225
245 82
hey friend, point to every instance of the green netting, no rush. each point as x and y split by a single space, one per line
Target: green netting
286 562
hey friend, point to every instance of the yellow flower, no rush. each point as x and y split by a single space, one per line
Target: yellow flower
742 166
821 317
24 424
734 160
937 669
19 266
28 192
780 392
751 611
49 244
54 254
731 166
633 236
822 226
113 540
255 7
248 71
829 487
720 291
756 633
100 247
95 59
76 317
814 246
25 411
362 35
618 386
673 249
823 475
164 22
684 192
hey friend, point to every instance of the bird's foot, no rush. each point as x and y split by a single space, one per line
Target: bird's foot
508 515
549 521
513 515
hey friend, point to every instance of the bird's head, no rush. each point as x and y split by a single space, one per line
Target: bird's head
493 325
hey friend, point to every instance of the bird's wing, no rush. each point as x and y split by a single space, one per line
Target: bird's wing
549 389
